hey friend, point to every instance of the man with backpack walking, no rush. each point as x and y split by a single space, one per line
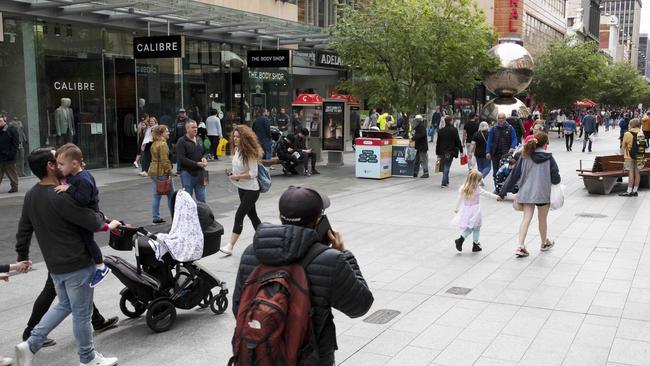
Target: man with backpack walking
634 146
289 280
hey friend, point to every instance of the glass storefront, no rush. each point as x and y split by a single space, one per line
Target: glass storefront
80 83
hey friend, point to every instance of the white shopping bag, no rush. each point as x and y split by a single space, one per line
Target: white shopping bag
557 196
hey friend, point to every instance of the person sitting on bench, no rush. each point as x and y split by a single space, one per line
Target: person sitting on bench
288 154
306 154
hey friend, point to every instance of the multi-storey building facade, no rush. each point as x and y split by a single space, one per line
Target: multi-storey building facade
583 19
642 62
628 13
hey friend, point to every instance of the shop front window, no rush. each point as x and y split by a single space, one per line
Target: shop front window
270 88
13 100
70 80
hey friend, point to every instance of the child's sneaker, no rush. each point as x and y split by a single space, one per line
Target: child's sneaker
459 243
99 276
476 247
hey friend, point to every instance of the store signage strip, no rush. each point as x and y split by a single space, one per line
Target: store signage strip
269 58
514 15
328 59
158 47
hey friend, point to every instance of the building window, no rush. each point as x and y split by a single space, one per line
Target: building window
538 34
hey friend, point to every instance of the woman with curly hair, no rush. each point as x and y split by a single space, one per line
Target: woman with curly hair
247 152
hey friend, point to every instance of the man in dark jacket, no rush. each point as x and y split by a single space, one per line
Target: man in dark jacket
306 154
502 140
262 128
192 162
435 122
517 124
56 218
335 280
9 142
288 154
588 125
422 148
447 148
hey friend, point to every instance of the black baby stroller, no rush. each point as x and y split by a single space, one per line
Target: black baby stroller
159 287
502 175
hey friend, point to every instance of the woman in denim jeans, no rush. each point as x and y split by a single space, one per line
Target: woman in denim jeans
160 169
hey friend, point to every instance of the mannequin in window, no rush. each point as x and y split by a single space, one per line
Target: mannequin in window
64 121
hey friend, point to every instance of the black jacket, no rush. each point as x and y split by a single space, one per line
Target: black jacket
518 125
188 154
8 144
282 150
448 142
335 280
420 138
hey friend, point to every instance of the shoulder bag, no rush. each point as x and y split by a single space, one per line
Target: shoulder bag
164 186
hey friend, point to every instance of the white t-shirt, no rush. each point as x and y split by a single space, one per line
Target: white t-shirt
213 125
238 167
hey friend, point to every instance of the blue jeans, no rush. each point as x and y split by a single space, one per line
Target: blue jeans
446 166
268 151
155 198
192 184
76 297
483 165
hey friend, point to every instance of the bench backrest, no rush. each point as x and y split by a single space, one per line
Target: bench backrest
608 163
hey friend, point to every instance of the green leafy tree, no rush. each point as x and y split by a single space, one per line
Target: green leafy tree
619 85
563 73
402 51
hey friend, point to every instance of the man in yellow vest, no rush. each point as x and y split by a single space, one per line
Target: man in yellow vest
384 120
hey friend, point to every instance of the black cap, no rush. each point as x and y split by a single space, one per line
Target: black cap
302 205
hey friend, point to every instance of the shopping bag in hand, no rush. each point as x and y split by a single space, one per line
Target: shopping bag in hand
221 148
463 160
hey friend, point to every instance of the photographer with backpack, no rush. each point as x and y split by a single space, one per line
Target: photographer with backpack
634 146
289 280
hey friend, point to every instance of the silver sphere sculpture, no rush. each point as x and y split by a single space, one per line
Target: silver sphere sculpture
515 71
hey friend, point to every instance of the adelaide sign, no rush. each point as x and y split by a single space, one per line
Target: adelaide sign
328 59
269 58
158 47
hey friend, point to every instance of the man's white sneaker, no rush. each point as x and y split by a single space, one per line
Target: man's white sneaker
6 361
100 360
24 355
226 249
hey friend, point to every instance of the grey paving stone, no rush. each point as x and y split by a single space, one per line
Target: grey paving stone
630 352
507 347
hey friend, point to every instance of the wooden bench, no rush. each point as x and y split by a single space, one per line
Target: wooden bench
607 170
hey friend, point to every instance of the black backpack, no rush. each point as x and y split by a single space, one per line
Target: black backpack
639 144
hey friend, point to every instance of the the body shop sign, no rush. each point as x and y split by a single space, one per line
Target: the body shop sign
158 47
269 58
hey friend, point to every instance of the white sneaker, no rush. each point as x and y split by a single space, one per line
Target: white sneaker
24 355
143 174
100 360
6 361
226 249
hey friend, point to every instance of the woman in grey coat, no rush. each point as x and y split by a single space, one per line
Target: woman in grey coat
535 173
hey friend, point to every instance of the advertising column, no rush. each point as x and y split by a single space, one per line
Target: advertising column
335 117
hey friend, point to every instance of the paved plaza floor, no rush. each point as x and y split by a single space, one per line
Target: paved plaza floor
586 302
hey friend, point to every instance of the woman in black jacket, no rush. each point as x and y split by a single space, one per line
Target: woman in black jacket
448 147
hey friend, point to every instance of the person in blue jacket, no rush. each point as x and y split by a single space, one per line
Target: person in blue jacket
502 140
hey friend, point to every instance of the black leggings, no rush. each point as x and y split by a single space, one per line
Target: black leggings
43 303
246 207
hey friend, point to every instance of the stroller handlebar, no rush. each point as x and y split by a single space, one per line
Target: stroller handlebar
136 230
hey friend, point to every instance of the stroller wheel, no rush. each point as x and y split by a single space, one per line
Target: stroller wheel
207 300
219 304
129 306
161 315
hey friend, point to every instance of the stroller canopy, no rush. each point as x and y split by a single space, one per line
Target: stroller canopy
185 240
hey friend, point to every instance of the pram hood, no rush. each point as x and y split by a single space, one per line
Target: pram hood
185 240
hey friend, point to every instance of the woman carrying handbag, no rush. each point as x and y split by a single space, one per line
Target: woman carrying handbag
160 171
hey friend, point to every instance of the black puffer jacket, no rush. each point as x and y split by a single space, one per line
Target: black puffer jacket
335 280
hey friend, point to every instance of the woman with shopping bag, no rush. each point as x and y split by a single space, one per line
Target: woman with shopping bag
535 174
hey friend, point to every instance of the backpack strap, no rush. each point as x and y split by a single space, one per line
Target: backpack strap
314 251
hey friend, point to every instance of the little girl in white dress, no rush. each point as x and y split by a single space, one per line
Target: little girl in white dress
468 209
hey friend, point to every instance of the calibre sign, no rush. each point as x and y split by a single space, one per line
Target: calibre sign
514 15
158 47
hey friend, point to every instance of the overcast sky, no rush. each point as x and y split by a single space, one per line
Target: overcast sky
645 17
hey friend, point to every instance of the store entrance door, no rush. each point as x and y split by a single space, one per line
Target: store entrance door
121 108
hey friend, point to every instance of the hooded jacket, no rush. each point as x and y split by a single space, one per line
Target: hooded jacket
534 175
420 137
335 280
